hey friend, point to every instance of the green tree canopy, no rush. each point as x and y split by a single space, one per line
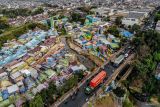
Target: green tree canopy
157 17
114 31
38 10
118 21
119 92
135 28
157 56
36 102
3 23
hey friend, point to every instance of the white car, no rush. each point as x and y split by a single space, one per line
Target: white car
126 55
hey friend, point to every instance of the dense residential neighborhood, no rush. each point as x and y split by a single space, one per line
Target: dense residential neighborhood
79 53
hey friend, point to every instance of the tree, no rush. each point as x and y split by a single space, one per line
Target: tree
13 13
52 89
118 21
141 68
38 10
75 16
106 18
85 9
52 13
79 75
114 31
4 23
119 92
135 28
36 102
157 56
150 87
157 17
44 95
159 98
152 39
136 41
147 46
127 103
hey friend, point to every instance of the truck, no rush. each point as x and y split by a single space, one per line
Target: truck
118 60
95 82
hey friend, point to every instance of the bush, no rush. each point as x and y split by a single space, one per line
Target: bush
38 10
114 31
159 99
127 103
119 92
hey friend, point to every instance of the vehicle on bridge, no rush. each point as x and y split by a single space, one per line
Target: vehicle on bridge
95 82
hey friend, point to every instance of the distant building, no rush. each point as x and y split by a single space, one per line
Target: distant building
102 11
133 18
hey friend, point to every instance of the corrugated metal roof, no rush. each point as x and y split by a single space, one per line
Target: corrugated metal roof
12 89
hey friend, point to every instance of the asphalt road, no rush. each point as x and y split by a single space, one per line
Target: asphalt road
81 97
109 68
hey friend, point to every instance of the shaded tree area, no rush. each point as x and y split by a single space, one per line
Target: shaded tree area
135 28
147 45
81 13
113 30
3 23
52 13
78 17
36 102
50 5
15 32
36 11
119 92
152 39
86 9
118 21
13 13
159 98
69 84
127 103
157 16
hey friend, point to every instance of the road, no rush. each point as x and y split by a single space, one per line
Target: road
80 99
113 76
84 60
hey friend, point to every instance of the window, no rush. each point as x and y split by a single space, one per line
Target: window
132 19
